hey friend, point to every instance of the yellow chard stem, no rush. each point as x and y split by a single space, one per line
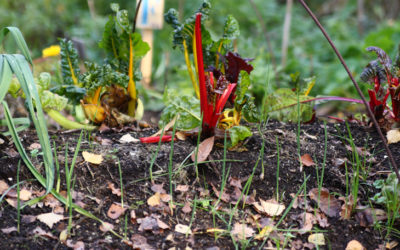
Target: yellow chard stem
217 57
96 96
195 53
66 123
131 85
189 67
74 79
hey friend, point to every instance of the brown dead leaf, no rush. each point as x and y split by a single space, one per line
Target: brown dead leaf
183 229
347 207
3 186
34 145
140 242
307 160
113 189
166 128
92 158
186 208
369 216
105 227
8 230
40 232
162 224
133 217
10 152
307 221
51 201
224 196
393 136
182 188
127 138
235 182
180 135
317 239
269 207
327 202
392 244
322 220
165 197
155 200
26 219
50 218
13 202
115 211
355 245
158 188
242 231
79 245
204 150
148 223
25 194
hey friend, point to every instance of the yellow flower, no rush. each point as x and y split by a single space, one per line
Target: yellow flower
53 50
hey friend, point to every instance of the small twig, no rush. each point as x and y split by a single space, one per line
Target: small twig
371 115
136 15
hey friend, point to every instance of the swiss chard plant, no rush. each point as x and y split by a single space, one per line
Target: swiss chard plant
107 91
384 75
220 78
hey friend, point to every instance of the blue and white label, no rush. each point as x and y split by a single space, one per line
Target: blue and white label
150 15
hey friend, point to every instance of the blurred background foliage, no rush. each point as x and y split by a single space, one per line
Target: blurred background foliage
352 24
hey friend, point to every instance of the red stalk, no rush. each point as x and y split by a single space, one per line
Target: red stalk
220 103
155 139
200 64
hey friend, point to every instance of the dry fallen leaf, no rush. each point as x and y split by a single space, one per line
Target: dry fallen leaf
51 201
148 223
317 239
355 245
92 158
327 202
25 194
391 245
264 233
3 186
182 188
162 224
79 245
140 242
35 145
242 231
393 136
154 200
40 232
308 220
8 230
347 207
269 207
128 139
158 188
235 182
186 208
115 211
113 189
50 218
133 216
307 161
105 227
204 150
26 219
183 229
166 128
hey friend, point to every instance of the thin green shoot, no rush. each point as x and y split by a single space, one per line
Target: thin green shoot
298 128
262 159
126 226
153 159
121 183
193 213
58 183
171 154
18 198
356 174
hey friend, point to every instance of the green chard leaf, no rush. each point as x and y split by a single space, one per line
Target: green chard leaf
69 62
231 29
239 133
186 106
250 111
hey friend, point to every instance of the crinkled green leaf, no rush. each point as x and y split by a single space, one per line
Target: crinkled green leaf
239 133
140 47
250 111
282 105
51 100
44 80
187 107
69 62
242 89
231 29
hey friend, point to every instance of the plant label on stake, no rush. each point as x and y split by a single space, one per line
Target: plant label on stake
150 17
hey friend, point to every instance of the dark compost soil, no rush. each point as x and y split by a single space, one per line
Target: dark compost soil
92 183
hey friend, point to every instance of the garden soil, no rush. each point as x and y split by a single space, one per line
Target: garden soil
155 218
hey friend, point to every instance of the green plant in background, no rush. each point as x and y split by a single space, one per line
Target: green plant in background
389 196
19 65
106 92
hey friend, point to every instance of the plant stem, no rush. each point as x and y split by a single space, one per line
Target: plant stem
370 113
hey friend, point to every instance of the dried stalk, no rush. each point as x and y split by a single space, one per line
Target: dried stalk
371 115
